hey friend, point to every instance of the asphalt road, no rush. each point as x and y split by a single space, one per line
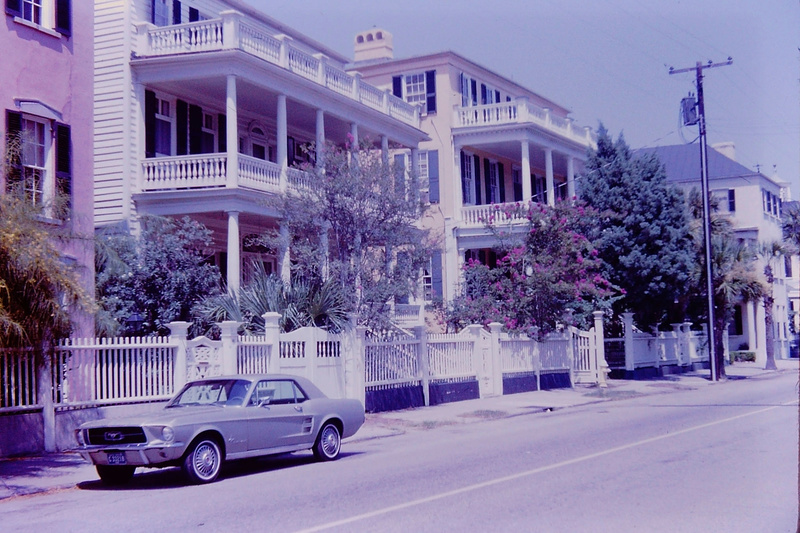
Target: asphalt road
723 458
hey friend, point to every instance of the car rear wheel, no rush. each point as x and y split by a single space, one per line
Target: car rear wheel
115 475
203 462
329 442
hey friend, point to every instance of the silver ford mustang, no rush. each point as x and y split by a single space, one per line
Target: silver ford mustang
217 419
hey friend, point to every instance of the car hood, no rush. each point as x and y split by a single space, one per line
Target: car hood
167 417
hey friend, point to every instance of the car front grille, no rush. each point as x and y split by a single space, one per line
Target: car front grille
116 435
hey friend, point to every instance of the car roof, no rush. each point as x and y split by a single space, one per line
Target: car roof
311 390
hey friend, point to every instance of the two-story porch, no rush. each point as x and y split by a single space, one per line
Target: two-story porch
510 152
227 113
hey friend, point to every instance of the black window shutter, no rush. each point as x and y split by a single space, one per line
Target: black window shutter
487 180
477 166
461 89
397 86
482 257
437 288
222 133
194 15
464 191
176 12
152 11
502 178
181 128
497 97
13 129
518 189
195 129
14 8
150 103
64 17
533 188
483 94
400 174
433 176
474 87
430 91
64 163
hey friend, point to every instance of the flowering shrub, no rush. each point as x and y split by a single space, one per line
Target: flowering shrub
546 274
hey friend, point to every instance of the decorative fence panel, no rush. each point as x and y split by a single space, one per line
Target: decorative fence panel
113 370
18 378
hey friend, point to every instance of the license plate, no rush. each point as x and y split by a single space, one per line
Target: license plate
116 458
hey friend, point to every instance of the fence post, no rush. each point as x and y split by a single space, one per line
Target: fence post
421 334
354 344
44 389
230 346
600 349
497 365
178 332
630 362
272 334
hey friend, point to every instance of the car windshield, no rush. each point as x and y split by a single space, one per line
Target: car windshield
220 392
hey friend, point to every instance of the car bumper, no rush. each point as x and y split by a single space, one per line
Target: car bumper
134 455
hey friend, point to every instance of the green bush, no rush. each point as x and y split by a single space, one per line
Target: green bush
742 355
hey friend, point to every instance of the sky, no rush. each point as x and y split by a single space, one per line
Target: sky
609 61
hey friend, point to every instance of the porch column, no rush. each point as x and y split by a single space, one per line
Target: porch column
285 265
570 178
282 132
320 138
548 169
750 326
137 183
385 150
525 159
232 134
234 261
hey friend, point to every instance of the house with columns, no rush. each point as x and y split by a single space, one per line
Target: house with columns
753 203
206 108
492 141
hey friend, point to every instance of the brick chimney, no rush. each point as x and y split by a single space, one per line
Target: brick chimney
373 44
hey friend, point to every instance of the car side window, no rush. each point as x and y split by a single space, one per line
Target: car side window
277 391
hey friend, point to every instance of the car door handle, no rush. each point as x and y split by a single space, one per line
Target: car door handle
298 408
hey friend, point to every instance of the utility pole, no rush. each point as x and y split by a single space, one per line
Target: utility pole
701 116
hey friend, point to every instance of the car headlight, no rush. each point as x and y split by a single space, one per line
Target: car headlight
79 437
167 433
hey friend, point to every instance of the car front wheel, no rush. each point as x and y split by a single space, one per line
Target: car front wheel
203 462
115 475
329 442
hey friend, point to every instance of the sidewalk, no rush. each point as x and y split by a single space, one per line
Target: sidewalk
33 475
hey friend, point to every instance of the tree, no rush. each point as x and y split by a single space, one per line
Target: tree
771 252
790 222
355 223
300 304
735 276
159 274
546 275
643 236
39 291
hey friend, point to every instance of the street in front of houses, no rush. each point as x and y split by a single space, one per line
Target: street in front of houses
718 457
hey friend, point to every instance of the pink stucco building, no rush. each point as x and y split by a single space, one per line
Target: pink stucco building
46 95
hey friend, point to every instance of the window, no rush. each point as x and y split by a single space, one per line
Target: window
494 183
34 159
516 177
467 179
539 189
44 15
418 88
209 134
163 131
422 166
277 392
427 282
732 200
160 13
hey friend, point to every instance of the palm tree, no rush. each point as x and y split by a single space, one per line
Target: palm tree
771 252
300 304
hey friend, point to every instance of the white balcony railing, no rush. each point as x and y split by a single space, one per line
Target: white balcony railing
521 111
480 215
192 172
230 31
